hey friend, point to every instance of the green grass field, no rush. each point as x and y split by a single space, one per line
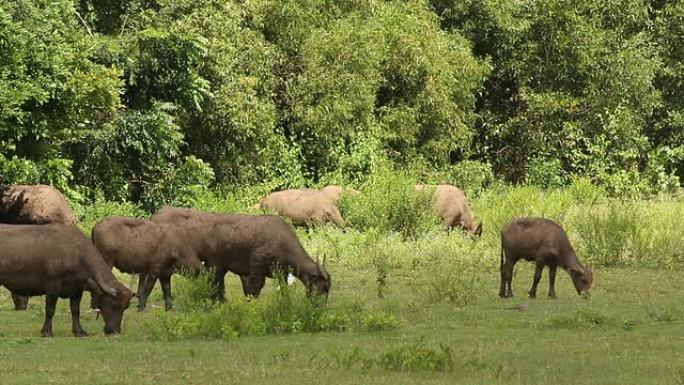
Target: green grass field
419 310
628 331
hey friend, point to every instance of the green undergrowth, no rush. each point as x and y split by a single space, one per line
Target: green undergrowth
284 310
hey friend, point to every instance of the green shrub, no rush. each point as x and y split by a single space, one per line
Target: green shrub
417 356
584 191
388 202
606 231
91 214
451 270
632 233
282 311
193 292
402 357
579 318
498 206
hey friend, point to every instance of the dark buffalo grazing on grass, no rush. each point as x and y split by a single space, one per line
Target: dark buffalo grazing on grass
545 243
256 247
147 248
452 208
247 245
60 262
33 205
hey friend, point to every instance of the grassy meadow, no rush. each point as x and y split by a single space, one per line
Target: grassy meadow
410 303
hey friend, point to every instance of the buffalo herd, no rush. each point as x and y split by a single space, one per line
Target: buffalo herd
42 251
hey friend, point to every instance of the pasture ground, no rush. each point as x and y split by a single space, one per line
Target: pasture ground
628 332
441 294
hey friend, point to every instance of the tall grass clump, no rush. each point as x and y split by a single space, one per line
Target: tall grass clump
499 205
231 200
282 311
90 215
632 232
418 355
193 292
606 232
453 269
388 202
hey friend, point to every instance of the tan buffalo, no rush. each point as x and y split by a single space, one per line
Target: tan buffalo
452 208
305 207
35 204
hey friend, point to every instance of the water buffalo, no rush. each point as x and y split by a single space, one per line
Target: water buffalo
305 207
147 248
194 222
59 261
254 247
33 205
452 208
544 242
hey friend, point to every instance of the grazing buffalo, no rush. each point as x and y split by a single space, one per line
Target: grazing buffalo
60 262
452 208
255 247
545 243
195 223
147 248
33 205
305 207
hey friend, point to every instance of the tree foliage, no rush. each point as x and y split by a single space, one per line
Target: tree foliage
134 99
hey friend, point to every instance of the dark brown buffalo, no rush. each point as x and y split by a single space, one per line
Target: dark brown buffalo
255 247
545 243
33 205
139 246
60 262
247 245
195 223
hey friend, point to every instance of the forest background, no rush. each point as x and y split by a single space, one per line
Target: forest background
157 101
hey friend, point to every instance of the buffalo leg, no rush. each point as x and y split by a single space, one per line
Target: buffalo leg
254 285
93 301
20 301
165 281
75 303
504 283
219 284
141 283
506 278
145 290
552 281
50 304
245 284
538 269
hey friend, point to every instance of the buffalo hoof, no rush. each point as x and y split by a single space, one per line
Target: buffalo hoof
46 333
80 333
532 295
552 296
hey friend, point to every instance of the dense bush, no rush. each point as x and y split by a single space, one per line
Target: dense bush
389 203
103 97
283 311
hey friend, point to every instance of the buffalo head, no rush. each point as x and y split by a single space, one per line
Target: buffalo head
112 308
